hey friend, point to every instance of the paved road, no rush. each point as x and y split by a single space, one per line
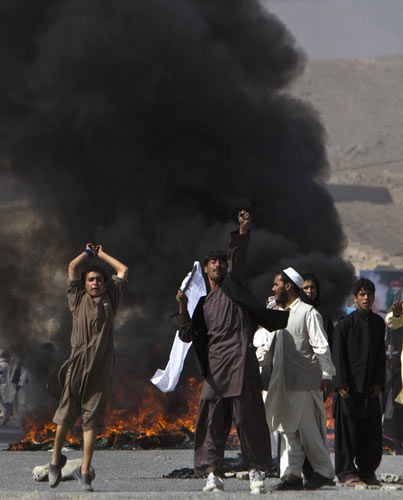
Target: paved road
139 475
9 434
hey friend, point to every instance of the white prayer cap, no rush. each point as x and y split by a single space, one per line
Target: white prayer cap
294 276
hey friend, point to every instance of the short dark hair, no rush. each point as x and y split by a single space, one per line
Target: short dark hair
312 277
215 255
363 284
287 279
94 268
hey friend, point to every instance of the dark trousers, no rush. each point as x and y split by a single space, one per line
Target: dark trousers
214 422
358 436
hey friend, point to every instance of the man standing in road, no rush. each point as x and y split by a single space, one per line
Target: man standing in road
222 329
300 378
83 381
360 360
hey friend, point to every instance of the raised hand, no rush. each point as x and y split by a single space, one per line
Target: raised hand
98 250
244 219
182 300
181 297
120 268
90 246
397 308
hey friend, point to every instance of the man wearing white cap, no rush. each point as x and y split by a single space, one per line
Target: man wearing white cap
301 374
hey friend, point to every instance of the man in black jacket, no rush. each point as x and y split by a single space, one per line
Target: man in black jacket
359 358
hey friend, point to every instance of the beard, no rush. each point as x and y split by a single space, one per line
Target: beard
282 298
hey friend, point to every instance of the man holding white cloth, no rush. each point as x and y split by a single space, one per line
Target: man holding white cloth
301 374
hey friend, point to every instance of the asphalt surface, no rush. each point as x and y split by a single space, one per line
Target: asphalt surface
139 475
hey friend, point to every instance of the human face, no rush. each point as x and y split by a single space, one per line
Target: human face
94 284
364 300
280 292
216 270
310 289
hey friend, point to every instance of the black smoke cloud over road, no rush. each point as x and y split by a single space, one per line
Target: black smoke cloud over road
145 125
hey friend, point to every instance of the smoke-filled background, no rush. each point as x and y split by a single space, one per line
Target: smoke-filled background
145 126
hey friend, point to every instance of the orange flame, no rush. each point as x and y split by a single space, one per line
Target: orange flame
154 416
150 416
330 421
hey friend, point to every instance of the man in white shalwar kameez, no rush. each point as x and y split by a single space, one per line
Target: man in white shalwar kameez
301 373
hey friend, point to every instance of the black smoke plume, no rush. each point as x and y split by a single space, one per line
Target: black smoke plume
145 125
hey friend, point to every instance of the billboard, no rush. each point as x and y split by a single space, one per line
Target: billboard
388 287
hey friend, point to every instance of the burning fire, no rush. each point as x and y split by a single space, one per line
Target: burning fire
152 419
330 422
153 415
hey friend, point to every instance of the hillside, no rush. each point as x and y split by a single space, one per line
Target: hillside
361 105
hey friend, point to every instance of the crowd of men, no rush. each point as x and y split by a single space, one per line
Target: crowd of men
294 361
267 369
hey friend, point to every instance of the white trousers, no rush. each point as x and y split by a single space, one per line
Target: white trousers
307 441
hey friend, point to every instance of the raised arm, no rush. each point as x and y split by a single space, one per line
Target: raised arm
244 219
238 248
122 271
74 265
394 319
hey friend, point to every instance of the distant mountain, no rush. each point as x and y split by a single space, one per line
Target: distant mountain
361 105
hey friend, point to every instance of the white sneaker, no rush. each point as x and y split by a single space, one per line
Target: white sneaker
214 483
256 482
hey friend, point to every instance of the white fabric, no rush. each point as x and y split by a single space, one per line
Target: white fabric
274 440
284 406
262 340
194 287
319 342
306 442
297 414
294 276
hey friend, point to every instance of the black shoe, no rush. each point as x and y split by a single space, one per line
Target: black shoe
83 479
317 481
293 483
55 472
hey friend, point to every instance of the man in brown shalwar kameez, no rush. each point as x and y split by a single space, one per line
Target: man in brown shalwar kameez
84 379
221 329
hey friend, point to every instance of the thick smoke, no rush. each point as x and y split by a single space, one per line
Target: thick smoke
145 126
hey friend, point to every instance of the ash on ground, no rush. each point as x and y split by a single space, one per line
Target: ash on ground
233 467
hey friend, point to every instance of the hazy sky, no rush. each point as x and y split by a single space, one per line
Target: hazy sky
343 29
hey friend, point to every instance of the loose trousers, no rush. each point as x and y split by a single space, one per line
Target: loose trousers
214 422
306 441
358 437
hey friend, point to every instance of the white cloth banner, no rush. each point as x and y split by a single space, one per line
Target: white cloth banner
194 287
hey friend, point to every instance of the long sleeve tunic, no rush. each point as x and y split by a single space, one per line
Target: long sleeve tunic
228 331
359 352
86 376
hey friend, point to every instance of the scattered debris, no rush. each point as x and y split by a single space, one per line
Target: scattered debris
41 472
392 478
233 467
